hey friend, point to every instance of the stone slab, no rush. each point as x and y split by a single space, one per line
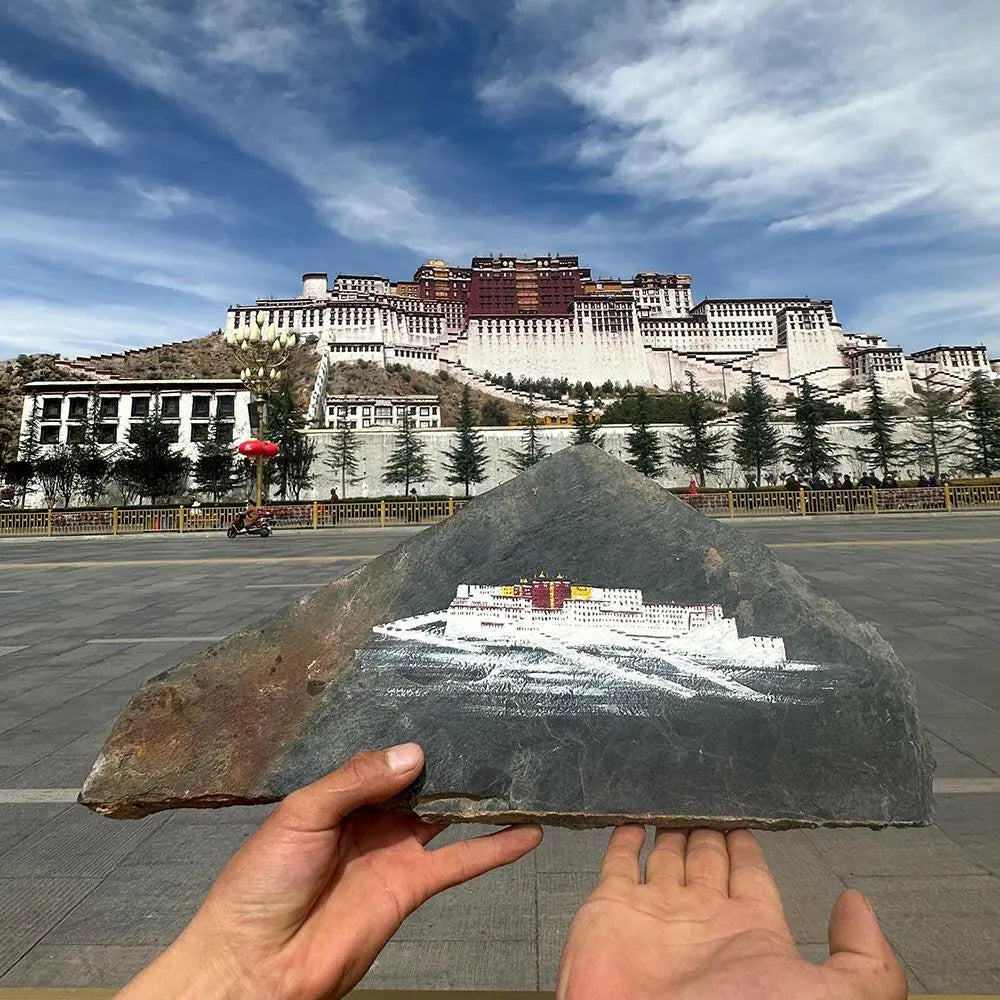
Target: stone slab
568 735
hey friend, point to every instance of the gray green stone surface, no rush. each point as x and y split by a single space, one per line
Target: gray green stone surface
270 709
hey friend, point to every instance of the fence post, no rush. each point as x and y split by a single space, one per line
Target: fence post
114 521
315 513
48 524
732 505
874 500
802 501
180 519
451 506
381 513
947 497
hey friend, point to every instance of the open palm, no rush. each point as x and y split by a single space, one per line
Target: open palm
706 924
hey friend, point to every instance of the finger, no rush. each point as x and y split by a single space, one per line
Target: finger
665 864
706 862
621 859
366 779
749 876
854 934
456 863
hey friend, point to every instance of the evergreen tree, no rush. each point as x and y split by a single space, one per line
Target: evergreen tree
494 414
697 448
148 466
934 416
641 443
757 443
809 449
407 463
296 459
585 423
532 451
466 462
56 471
291 469
981 450
882 451
93 462
343 458
216 469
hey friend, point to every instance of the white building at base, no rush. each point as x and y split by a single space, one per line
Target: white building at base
187 406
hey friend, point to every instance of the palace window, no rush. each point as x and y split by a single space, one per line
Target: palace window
51 409
107 434
78 408
140 407
49 435
170 407
109 407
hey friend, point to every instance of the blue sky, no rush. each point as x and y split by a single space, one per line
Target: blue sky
161 160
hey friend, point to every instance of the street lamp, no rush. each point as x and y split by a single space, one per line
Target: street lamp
262 351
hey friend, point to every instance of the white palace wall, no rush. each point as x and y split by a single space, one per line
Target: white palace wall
559 351
375 447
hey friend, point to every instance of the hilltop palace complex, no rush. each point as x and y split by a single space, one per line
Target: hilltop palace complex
547 317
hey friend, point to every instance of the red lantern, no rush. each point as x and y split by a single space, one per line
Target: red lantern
269 449
252 448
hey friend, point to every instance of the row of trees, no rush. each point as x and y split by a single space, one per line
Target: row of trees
559 388
968 436
148 466
963 433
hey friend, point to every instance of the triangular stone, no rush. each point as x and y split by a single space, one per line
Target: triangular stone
561 723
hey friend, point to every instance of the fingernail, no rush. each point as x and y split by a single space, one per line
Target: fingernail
404 758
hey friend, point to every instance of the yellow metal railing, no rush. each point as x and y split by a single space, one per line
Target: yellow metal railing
757 503
975 497
388 513
139 520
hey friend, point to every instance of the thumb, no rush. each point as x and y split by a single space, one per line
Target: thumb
858 945
366 779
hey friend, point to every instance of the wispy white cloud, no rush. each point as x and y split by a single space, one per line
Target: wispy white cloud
153 200
45 110
255 70
29 325
805 116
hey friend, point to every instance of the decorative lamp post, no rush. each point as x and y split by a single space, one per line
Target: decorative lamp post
261 451
262 352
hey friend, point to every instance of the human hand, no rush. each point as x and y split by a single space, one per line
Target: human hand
306 904
707 924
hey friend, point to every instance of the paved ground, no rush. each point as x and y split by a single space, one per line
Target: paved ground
87 901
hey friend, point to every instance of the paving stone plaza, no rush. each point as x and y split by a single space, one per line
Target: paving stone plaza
87 901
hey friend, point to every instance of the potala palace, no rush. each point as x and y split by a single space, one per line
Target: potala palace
547 317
